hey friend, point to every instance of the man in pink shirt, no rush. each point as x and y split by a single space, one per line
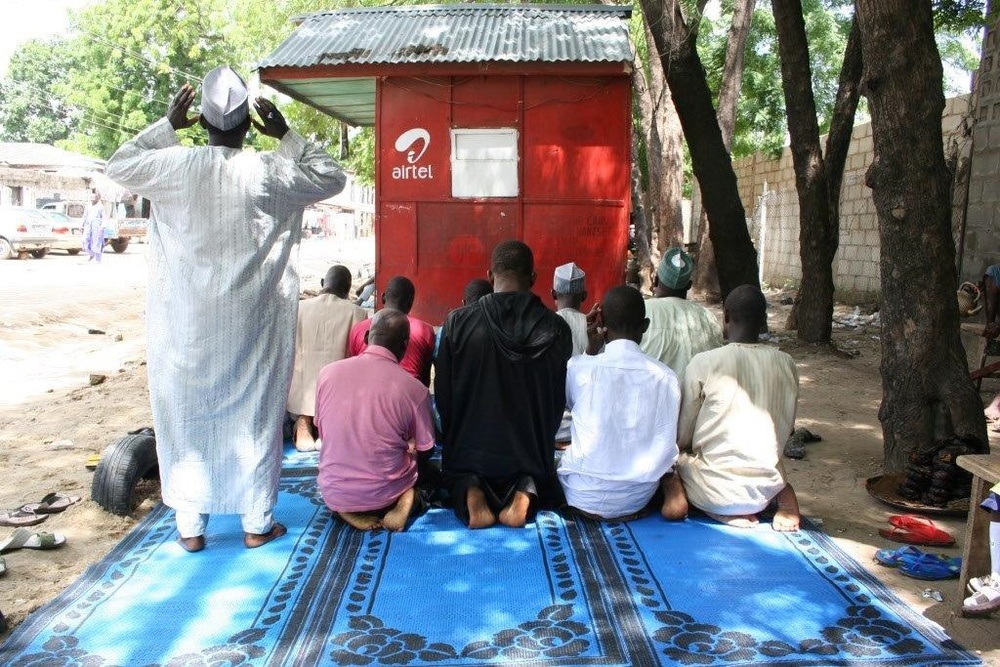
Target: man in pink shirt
375 420
399 295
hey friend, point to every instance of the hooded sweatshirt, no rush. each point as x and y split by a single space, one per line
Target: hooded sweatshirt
500 387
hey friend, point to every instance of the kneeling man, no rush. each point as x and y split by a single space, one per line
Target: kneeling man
624 405
738 408
374 418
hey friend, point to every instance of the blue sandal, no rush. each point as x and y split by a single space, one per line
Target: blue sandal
931 567
896 557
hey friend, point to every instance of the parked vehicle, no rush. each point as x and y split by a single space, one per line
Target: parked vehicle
24 230
68 232
118 229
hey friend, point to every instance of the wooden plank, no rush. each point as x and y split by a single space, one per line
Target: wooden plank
975 552
986 466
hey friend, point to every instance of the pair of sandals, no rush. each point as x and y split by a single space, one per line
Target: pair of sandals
918 564
985 596
32 514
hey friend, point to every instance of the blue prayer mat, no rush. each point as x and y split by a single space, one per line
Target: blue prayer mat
562 591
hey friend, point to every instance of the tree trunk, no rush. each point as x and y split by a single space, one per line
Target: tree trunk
706 279
664 156
813 319
817 245
734 252
640 263
924 368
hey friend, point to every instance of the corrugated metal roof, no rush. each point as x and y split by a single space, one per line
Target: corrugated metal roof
44 156
458 34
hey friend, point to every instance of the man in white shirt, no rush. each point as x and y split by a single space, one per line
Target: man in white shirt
678 328
625 406
738 410
569 291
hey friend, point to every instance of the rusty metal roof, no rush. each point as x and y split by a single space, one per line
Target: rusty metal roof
466 33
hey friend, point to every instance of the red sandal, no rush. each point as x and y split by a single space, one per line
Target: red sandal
915 529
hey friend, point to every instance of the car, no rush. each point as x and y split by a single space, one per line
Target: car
68 232
24 230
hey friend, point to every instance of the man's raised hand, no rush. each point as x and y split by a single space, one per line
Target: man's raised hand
177 112
274 124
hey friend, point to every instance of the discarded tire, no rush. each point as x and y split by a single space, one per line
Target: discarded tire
122 465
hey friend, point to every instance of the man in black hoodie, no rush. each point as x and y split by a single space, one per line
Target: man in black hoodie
500 387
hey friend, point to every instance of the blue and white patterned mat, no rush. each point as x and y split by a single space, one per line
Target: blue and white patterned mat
558 592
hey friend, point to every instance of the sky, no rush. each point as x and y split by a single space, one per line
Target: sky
28 19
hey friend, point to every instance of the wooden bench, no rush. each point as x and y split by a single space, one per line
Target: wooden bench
985 469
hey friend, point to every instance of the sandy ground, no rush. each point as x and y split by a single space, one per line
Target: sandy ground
52 418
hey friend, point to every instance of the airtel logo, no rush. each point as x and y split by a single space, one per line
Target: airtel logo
407 139
407 143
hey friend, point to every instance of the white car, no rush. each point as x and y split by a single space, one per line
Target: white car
68 232
24 230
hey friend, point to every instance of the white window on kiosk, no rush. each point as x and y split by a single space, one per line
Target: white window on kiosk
484 163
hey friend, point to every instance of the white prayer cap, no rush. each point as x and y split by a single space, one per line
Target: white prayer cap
568 279
224 98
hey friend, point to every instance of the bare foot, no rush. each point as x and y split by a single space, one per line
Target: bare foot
192 544
361 520
737 520
303 438
787 518
254 540
480 515
675 502
396 518
515 515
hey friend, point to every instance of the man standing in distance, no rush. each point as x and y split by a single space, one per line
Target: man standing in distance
222 299
93 227
500 388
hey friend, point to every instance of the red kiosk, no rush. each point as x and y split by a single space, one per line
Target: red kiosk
492 122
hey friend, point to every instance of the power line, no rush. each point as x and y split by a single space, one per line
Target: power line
148 61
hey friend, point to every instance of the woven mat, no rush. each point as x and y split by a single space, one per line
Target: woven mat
558 592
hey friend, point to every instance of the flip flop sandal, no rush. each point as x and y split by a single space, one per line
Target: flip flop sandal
978 583
22 538
19 517
982 601
896 557
910 521
930 567
53 503
917 532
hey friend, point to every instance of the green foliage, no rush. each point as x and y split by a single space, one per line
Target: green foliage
760 119
30 110
361 155
132 56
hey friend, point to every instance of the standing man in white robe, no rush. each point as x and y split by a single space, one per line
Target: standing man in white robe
222 299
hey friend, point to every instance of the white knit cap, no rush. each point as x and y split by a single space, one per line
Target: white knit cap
224 98
568 279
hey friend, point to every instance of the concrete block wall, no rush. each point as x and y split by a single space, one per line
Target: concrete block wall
981 242
767 189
